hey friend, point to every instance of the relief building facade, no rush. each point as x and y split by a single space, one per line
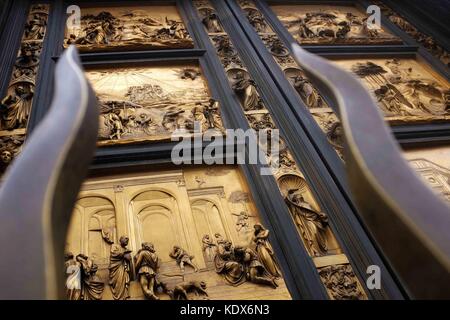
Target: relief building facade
146 228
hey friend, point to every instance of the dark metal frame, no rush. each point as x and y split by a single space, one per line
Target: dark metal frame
318 161
10 37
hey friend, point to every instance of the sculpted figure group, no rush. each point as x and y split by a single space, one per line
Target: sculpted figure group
82 283
124 120
237 264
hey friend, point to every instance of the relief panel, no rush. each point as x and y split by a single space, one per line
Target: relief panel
433 165
330 25
143 103
172 234
406 90
129 28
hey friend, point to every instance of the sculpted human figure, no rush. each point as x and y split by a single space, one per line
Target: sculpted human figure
209 247
199 116
211 21
219 239
115 123
264 250
73 277
256 20
92 286
254 270
36 27
307 92
246 88
211 112
119 269
242 221
311 223
6 157
147 264
182 258
15 107
226 264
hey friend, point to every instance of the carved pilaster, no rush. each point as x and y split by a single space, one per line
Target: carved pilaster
15 107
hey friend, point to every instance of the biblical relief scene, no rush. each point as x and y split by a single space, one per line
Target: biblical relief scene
173 234
131 28
433 165
324 24
406 90
150 103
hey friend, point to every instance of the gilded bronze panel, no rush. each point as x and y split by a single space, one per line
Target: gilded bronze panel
143 103
191 233
406 90
331 24
433 164
130 28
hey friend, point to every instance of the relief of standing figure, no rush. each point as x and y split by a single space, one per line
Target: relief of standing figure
211 22
16 107
73 277
92 287
264 250
147 264
209 247
246 89
311 223
119 269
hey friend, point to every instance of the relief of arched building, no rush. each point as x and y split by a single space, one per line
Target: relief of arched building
168 209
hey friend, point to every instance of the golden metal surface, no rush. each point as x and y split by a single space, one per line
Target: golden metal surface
167 208
433 165
330 24
142 103
130 28
406 90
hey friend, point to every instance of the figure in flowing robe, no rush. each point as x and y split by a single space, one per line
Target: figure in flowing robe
307 92
92 286
16 107
209 247
225 263
211 22
254 269
35 29
264 250
312 224
73 280
246 89
119 269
